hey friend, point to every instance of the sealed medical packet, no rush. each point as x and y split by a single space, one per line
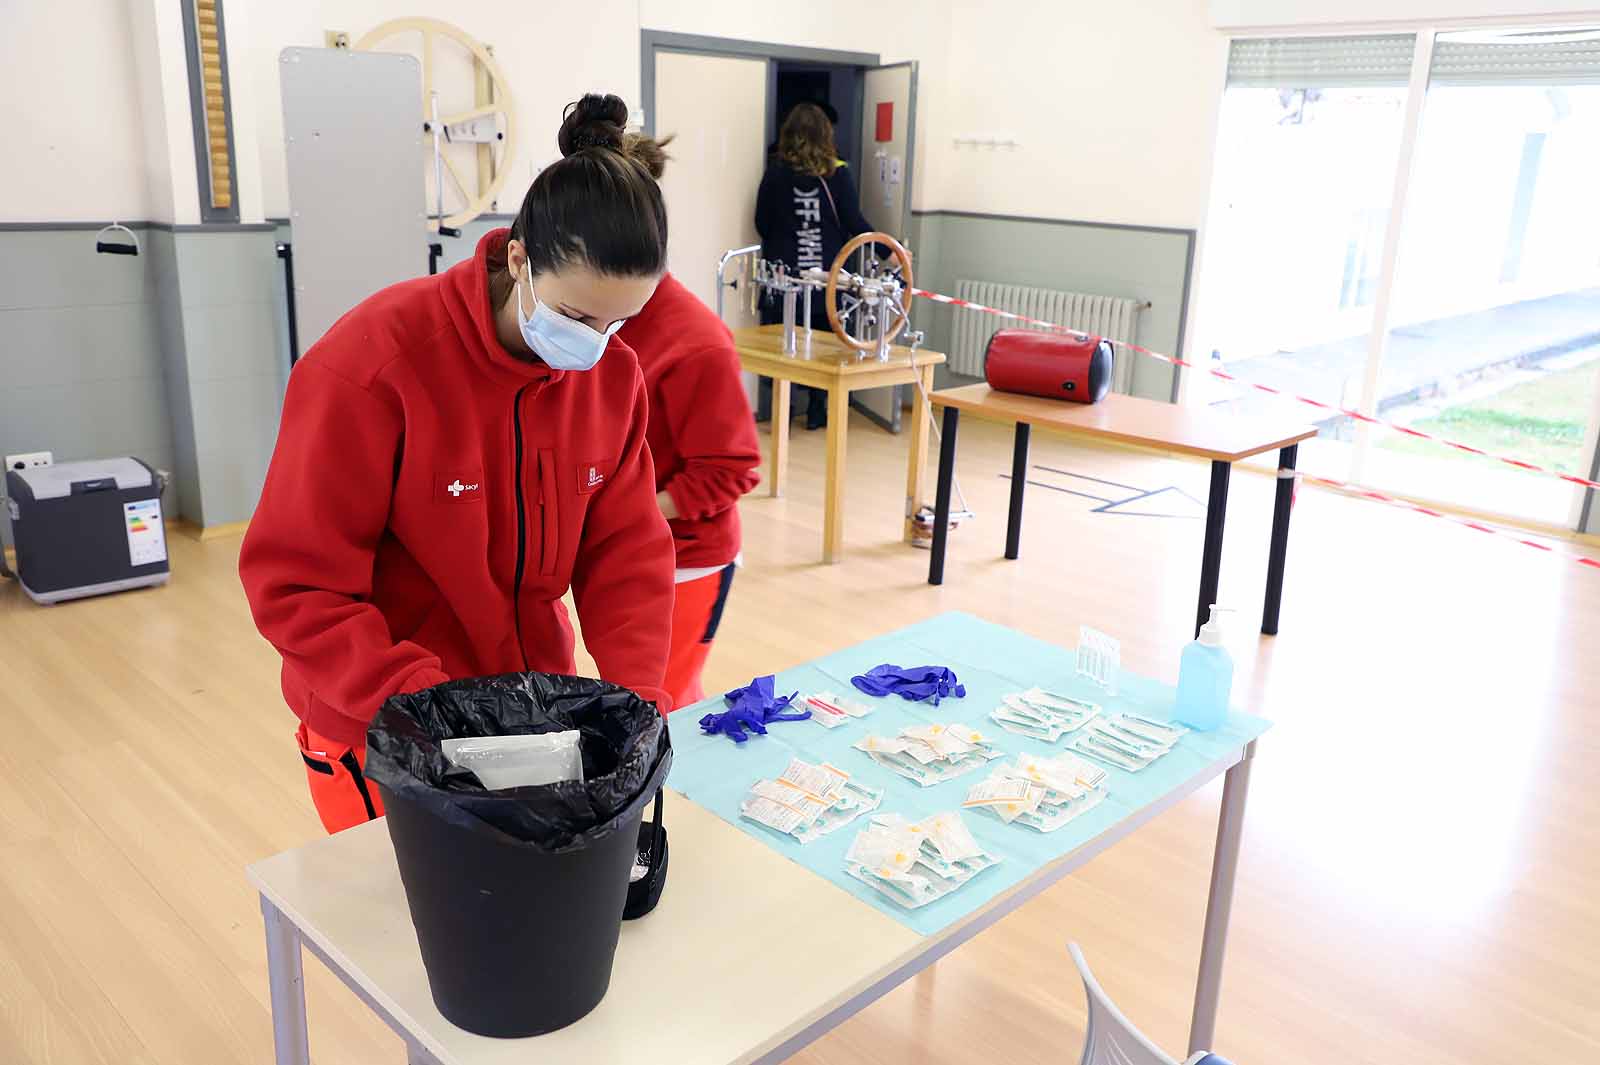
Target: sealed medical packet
930 754
1042 793
808 801
1128 741
915 863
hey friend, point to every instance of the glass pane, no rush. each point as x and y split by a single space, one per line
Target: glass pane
1294 244
1494 336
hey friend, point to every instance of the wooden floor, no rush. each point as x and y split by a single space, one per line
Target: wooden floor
1421 860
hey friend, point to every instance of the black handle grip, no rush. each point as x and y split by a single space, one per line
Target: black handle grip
448 231
99 484
115 249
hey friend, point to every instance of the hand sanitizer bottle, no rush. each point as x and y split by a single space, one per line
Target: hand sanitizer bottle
1205 678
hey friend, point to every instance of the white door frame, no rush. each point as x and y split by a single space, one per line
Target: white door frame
652 42
1383 299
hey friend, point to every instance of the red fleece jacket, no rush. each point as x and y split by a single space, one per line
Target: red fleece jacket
702 436
433 496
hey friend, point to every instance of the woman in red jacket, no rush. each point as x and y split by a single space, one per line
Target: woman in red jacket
703 440
455 453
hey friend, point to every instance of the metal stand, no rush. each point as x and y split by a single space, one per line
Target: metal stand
872 305
789 297
722 272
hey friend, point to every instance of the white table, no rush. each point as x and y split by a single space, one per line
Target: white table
734 914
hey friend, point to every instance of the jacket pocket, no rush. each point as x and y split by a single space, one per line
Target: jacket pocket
549 512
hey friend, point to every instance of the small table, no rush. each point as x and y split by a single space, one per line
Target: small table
676 984
826 362
1222 438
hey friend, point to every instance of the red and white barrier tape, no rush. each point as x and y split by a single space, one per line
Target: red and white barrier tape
1404 504
1268 389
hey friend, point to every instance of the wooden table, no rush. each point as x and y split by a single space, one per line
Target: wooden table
828 363
748 957
1222 438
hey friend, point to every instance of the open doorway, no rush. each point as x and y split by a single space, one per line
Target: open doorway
704 90
836 89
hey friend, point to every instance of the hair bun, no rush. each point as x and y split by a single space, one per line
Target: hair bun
595 121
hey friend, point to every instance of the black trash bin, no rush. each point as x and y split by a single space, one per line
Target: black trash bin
517 895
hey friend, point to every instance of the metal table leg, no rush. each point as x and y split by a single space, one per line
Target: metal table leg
941 496
1019 482
1219 903
291 1044
1282 505
1211 556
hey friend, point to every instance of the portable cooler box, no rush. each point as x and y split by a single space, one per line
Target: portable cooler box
1075 367
87 528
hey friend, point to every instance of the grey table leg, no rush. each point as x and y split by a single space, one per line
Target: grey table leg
1219 903
291 1044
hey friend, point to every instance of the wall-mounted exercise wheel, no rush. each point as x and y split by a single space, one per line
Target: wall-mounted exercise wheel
476 114
882 257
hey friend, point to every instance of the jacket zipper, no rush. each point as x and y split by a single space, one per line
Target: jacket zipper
549 539
522 526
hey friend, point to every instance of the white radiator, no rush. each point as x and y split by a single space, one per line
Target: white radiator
1107 316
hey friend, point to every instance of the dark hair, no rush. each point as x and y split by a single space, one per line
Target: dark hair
806 141
647 152
598 205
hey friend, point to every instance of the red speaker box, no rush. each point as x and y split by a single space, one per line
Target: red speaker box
1054 365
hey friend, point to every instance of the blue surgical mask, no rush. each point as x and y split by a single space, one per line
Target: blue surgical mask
563 343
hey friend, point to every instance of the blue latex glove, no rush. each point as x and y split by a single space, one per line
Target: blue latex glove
916 683
752 707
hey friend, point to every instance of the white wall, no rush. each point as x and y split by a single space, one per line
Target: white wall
155 37
919 31
553 53
239 24
1242 14
1114 104
76 144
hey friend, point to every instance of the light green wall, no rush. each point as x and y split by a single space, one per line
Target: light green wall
180 356
81 371
1143 263
175 355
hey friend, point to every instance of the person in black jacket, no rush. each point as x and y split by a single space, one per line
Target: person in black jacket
806 209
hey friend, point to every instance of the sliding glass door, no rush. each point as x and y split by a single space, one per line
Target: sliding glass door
1308 138
1478 318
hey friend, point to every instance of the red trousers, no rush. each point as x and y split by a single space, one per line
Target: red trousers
340 791
696 614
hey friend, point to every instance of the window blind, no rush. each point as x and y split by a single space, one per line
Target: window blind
1553 57
1321 62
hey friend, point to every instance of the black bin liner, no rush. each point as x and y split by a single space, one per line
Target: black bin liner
517 895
